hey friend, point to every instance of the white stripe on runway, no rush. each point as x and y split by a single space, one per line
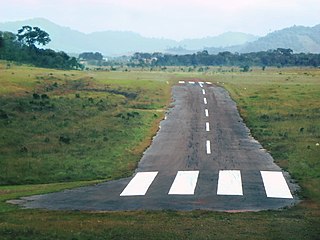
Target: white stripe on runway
205 100
184 183
139 185
206 112
229 183
203 91
208 145
201 84
275 185
208 83
192 82
181 82
207 127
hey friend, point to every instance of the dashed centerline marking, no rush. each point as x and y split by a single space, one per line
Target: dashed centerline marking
229 183
206 112
184 183
203 92
208 145
205 101
201 84
275 185
139 184
207 127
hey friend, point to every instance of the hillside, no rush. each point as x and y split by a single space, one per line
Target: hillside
108 42
120 42
111 43
297 38
222 40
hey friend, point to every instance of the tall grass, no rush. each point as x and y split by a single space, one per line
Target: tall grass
69 126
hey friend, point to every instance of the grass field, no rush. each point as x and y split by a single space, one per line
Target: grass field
70 126
104 120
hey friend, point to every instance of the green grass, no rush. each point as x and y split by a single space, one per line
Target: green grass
89 127
279 105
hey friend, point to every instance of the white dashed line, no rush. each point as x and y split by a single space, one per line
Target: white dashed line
208 83
207 127
184 183
205 101
181 82
203 92
192 82
208 145
201 84
206 112
229 182
138 186
275 185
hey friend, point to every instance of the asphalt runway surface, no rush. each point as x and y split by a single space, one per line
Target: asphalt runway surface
203 157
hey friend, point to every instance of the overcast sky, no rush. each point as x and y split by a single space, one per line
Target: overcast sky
175 19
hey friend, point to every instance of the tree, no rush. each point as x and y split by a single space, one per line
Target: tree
91 56
31 36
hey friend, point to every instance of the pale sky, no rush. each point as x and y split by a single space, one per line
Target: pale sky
175 19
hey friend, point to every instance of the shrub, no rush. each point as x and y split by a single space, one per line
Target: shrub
36 96
3 114
64 139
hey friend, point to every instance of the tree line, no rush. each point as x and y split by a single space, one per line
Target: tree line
23 47
280 57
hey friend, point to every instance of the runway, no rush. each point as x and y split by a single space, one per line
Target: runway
203 157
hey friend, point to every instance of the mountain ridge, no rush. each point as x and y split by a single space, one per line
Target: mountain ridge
112 43
298 38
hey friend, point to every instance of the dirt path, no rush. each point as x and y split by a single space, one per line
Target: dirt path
205 139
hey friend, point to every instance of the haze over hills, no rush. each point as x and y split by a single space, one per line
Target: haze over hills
111 43
297 38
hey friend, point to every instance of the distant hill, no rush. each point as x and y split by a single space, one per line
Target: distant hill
297 38
111 43
108 42
224 40
120 42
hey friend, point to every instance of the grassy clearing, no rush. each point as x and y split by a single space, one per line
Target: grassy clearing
281 110
67 126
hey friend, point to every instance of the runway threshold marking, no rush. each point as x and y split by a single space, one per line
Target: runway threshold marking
205 101
208 147
229 183
139 184
184 183
275 185
207 127
206 112
203 92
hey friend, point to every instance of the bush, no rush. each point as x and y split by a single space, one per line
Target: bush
64 139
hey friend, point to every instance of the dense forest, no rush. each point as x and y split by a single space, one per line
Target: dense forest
23 47
280 57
